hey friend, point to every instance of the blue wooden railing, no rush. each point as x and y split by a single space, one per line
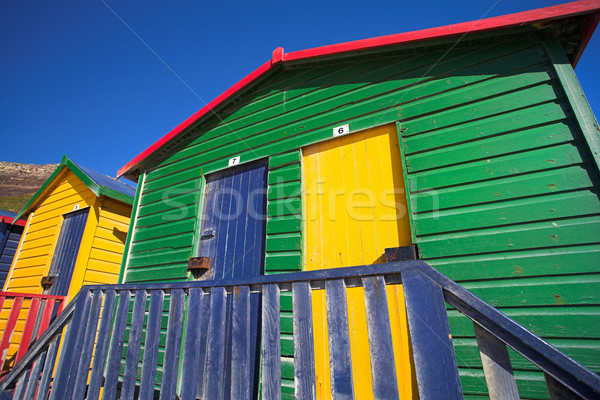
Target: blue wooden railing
92 359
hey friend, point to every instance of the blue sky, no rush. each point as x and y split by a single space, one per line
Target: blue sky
101 80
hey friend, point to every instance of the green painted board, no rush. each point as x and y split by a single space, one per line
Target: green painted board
284 190
570 177
524 210
545 261
284 224
478 129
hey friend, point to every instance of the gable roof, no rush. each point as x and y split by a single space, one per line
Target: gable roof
589 10
99 184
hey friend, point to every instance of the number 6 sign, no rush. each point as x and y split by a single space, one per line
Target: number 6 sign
341 130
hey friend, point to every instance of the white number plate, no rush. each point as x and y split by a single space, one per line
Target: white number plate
341 130
234 161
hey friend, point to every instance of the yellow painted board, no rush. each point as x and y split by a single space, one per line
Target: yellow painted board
108 256
38 224
26 285
65 206
107 223
354 202
33 243
114 217
29 272
101 265
113 234
108 245
35 252
74 194
117 206
41 233
101 278
30 262
71 193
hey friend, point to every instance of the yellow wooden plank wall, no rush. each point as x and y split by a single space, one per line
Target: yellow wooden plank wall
34 255
104 262
355 208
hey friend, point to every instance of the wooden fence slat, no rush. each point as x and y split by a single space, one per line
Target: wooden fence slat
9 328
203 350
115 351
48 368
215 359
46 316
132 358
304 356
433 352
340 359
21 385
271 343
191 346
88 346
28 330
148 378
34 377
557 390
106 320
381 348
501 383
168 386
64 377
240 348
425 294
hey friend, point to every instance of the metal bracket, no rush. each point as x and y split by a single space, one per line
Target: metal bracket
199 265
47 281
401 253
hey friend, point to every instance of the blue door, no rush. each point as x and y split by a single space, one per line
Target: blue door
9 241
65 253
233 236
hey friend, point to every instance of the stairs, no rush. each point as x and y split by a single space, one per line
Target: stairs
113 343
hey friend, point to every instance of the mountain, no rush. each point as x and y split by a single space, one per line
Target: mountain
18 182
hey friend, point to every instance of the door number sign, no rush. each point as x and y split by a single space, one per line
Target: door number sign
234 161
341 130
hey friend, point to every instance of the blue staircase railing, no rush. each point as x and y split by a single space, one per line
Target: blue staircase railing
91 359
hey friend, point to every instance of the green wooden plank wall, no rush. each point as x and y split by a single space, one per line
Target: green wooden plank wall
505 200
490 146
301 107
284 246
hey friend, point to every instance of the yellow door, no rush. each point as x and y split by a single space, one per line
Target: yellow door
355 208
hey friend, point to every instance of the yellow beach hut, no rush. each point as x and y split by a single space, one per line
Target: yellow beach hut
76 228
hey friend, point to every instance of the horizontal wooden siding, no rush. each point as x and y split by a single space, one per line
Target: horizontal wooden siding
490 146
104 261
35 254
284 246
300 107
505 201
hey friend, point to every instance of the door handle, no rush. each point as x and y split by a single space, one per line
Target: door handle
207 234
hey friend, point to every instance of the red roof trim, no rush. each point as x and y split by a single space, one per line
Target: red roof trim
495 23
190 121
9 220
588 31
484 25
